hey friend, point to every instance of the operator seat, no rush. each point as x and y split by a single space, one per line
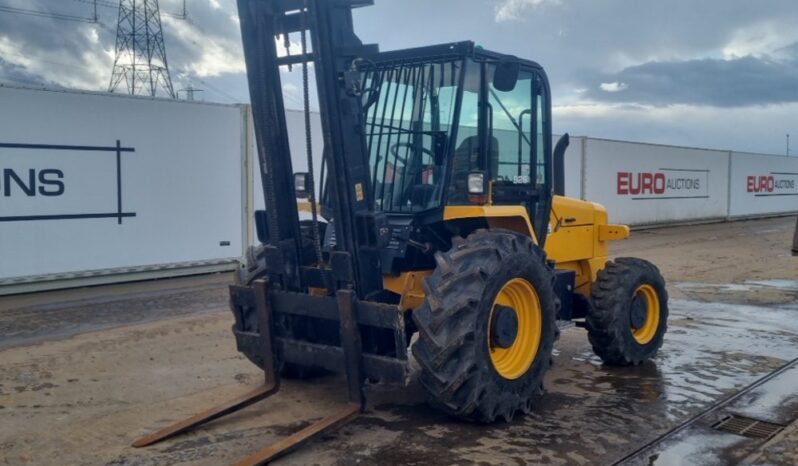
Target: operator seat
466 159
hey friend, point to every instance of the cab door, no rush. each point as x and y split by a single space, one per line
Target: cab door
517 144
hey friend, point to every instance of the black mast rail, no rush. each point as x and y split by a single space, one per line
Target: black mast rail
335 50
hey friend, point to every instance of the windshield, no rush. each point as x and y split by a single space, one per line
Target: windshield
410 111
503 137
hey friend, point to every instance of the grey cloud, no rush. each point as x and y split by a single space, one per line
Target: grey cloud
658 49
67 53
717 82
17 74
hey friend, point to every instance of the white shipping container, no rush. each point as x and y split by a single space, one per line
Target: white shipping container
763 185
644 184
96 188
71 205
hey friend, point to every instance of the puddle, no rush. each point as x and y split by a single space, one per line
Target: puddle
600 413
776 401
749 285
690 448
723 287
786 285
766 292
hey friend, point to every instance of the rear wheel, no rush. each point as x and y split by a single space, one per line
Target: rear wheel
487 327
629 316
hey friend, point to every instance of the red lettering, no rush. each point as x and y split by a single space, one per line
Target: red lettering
647 183
659 183
632 188
623 182
641 183
761 184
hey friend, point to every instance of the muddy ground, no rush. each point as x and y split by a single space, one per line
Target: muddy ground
85 372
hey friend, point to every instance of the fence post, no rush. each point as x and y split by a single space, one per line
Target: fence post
583 181
249 165
729 186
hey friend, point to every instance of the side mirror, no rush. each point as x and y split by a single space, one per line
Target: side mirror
505 76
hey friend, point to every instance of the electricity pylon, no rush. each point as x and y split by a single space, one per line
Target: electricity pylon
140 61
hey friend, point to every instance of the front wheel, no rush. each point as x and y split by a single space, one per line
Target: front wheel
487 327
629 316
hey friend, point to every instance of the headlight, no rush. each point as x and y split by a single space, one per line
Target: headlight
477 183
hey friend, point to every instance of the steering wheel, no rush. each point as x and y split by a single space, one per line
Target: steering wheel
414 147
406 192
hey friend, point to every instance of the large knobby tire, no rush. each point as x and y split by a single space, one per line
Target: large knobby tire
460 367
255 268
629 316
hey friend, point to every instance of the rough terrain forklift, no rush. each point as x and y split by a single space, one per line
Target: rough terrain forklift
440 233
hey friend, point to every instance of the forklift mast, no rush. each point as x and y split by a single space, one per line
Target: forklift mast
358 229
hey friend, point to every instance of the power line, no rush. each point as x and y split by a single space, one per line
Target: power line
104 3
213 88
45 14
107 4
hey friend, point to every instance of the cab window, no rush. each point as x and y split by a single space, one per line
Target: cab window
510 122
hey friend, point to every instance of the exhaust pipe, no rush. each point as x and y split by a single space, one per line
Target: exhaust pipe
795 239
559 164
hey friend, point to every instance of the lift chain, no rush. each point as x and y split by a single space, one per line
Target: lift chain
309 139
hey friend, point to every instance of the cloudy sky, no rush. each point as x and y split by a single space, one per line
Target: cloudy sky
710 73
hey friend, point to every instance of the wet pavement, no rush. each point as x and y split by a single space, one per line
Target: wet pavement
81 379
85 372
701 440
591 414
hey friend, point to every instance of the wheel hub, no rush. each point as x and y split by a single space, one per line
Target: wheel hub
505 326
516 329
638 312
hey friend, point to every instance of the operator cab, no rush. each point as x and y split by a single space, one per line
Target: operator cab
435 114
454 125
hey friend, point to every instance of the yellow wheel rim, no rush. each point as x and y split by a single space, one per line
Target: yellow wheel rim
514 361
649 329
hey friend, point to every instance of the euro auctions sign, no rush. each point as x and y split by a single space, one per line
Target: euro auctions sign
664 183
773 184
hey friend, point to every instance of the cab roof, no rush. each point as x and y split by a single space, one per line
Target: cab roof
443 52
